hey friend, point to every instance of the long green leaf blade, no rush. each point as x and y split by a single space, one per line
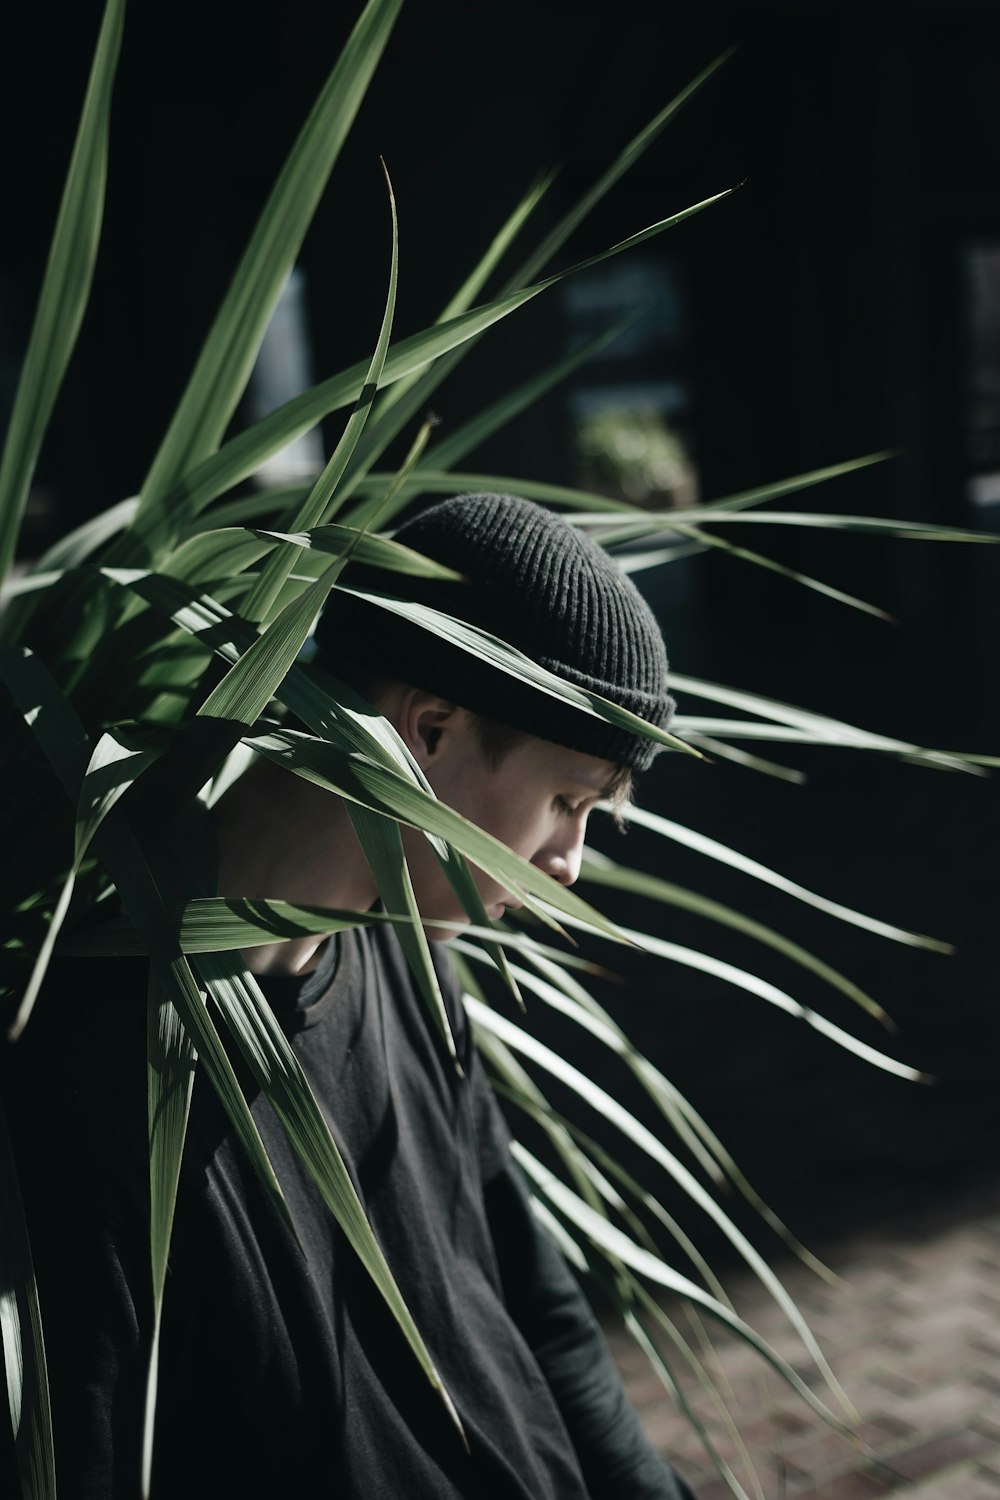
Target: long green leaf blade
649 1348
65 288
470 288
242 455
493 934
325 705
48 714
65 746
222 924
572 1000
743 979
708 516
64 743
149 906
706 539
250 684
382 843
171 1068
495 416
229 352
213 555
119 758
521 1041
390 423
565 995
598 1162
722 750
742 499
613 1241
625 159
823 729
498 653
21 1342
385 791
605 872
77 545
701 727
274 1064
39 969
367 547
319 504
437 481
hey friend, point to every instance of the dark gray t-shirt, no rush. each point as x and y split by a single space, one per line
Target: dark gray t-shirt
282 1373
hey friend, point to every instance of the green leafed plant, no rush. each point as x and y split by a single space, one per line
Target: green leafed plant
159 646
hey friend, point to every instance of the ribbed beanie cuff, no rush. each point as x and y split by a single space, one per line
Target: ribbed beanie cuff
537 583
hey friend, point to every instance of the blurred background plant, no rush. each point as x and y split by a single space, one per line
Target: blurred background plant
633 455
126 610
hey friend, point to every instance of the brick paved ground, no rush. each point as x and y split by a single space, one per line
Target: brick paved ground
913 1334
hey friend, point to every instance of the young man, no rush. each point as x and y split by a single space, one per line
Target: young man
281 1371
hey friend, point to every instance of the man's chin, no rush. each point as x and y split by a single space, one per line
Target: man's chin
444 929
444 932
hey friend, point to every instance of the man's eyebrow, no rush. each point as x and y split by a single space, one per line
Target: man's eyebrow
606 791
610 789
586 787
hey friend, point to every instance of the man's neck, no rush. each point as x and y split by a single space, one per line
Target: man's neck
283 838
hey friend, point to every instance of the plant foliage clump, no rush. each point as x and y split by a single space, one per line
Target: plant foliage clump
148 657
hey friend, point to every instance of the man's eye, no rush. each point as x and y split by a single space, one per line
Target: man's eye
564 808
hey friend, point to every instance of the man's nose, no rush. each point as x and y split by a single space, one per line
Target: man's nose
562 855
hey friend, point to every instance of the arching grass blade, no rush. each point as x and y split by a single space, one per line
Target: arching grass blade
23 1347
65 288
230 349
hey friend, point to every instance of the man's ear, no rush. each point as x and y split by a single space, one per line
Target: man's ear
427 723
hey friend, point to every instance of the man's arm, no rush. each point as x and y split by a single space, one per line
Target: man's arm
557 1322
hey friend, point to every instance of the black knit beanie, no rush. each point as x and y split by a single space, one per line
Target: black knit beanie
537 583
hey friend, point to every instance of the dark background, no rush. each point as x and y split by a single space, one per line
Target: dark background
821 312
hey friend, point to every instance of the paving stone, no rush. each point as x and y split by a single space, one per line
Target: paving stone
857 1485
856 1328
828 1450
913 1332
868 1356
917 1369
671 1432
940 1452
716 1488
954 1319
896 1342
778 1428
896 1381
645 1388
949 1405
966 1483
